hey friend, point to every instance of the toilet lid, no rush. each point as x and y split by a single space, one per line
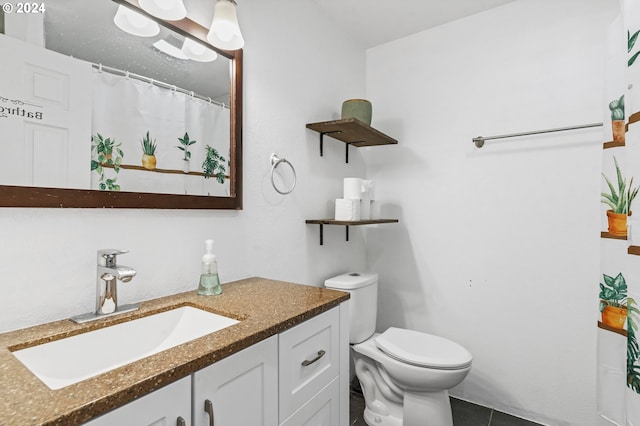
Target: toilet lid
423 350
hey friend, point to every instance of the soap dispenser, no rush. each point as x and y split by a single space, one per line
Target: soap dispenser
209 280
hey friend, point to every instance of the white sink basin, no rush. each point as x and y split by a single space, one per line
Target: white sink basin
76 358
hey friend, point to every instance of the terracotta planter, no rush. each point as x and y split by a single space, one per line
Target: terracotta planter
617 223
107 157
149 161
614 317
618 130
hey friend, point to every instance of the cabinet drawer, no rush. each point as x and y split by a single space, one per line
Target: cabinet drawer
309 360
323 409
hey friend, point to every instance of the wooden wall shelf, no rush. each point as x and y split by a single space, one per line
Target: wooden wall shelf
609 328
351 131
346 224
613 237
612 144
156 170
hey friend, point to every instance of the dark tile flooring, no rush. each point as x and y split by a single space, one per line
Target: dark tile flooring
464 414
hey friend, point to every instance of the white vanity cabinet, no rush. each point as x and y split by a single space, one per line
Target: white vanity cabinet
298 377
239 390
170 405
308 368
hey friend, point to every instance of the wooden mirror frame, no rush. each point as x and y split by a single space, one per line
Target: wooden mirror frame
29 196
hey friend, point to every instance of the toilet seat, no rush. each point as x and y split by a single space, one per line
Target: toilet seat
422 349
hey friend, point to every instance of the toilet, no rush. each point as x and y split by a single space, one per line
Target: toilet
405 374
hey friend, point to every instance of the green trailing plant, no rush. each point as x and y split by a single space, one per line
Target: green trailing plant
613 291
617 108
631 41
106 153
185 143
633 348
148 146
620 198
213 164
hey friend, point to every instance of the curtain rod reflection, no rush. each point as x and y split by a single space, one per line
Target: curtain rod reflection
158 83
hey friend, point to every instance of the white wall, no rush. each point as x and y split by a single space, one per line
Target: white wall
47 256
497 248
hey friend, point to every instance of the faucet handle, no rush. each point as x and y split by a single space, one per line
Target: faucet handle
107 257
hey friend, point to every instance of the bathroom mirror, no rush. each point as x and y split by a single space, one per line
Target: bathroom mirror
130 191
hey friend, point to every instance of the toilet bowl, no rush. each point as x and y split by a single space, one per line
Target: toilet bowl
405 374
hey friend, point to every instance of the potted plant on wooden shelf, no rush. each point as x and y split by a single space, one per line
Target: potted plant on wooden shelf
613 301
185 143
148 152
213 164
620 202
106 154
617 119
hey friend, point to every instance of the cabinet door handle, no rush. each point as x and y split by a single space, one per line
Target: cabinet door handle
208 407
309 362
181 422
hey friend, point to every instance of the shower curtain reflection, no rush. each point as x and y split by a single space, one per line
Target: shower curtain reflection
146 138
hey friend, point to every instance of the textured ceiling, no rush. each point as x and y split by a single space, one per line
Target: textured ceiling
84 29
374 22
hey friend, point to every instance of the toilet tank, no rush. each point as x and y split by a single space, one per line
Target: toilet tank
363 303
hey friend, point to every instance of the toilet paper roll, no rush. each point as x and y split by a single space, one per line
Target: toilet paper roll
367 197
353 188
347 209
370 189
365 209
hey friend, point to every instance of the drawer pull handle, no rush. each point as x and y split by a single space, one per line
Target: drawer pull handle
208 407
181 422
307 362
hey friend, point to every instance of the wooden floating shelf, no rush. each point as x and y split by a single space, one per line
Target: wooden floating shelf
350 222
635 250
346 224
612 144
609 328
167 171
613 237
352 132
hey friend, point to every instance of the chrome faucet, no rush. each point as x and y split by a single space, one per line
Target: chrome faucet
108 274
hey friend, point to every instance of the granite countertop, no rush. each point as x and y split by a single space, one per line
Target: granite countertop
264 308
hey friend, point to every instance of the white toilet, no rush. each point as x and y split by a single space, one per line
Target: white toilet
405 375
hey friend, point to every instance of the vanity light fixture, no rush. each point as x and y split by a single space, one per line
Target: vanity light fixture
170 10
168 46
134 23
225 31
198 52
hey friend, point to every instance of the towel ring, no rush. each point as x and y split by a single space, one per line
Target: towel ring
275 162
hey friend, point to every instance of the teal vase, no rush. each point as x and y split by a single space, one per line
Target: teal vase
357 108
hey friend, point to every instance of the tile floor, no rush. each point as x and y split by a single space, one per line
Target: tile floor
464 414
